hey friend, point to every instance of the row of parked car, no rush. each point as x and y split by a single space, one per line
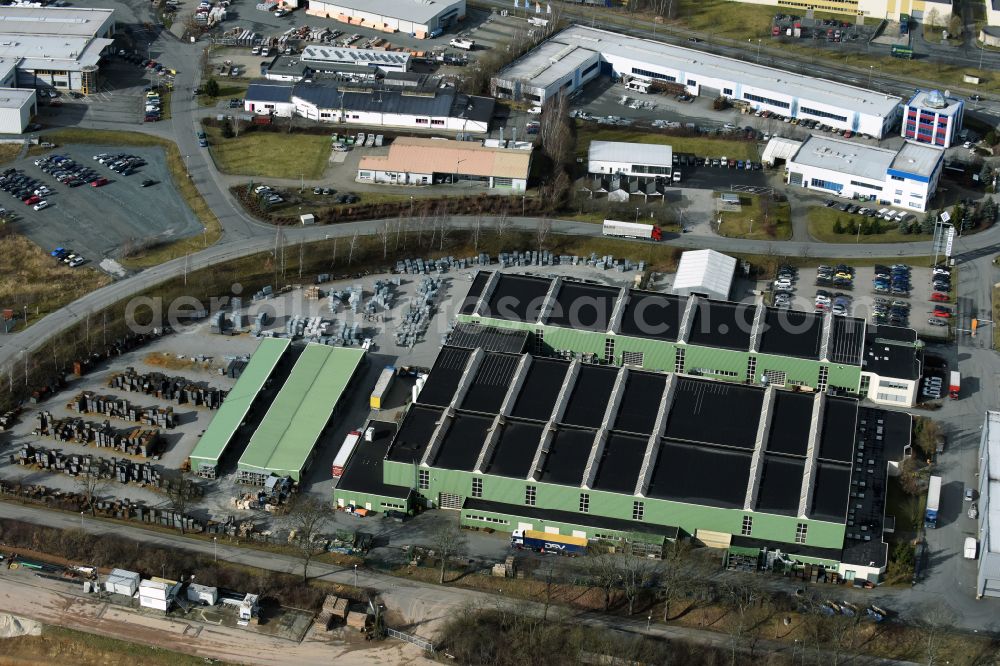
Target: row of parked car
68 172
121 163
21 186
893 280
894 312
840 276
838 304
807 123
267 195
153 110
343 198
68 257
882 213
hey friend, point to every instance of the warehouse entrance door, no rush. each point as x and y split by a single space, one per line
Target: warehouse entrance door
450 501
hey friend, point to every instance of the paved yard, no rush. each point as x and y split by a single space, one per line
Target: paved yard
101 222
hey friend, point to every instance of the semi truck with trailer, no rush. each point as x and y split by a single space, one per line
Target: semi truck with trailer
955 384
619 229
543 542
933 500
346 449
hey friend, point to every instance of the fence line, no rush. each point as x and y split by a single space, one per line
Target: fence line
410 638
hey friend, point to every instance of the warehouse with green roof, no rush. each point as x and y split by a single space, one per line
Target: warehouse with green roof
284 441
237 407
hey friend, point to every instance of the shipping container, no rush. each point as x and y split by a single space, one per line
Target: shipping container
344 455
548 543
933 500
632 230
382 387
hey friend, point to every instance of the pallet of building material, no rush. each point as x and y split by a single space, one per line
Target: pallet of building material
9 418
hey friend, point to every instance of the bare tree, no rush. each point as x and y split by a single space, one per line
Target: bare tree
933 624
542 230
91 485
182 491
449 542
502 223
555 133
550 571
604 574
635 573
382 231
679 571
477 226
741 593
350 253
306 519
933 18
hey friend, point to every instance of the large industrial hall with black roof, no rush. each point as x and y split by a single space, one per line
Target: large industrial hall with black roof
616 414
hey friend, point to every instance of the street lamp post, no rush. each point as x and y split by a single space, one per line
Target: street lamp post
81 520
215 544
871 70
637 214
355 575
758 51
649 620
26 316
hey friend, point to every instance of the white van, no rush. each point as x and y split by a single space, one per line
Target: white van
970 548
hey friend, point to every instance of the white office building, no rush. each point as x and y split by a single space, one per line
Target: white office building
988 553
439 109
17 107
932 117
418 18
645 160
906 178
55 47
570 59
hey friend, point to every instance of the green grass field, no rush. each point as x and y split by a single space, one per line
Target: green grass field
270 154
696 145
822 220
750 222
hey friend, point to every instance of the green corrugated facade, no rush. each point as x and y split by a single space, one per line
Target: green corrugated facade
717 363
661 355
687 517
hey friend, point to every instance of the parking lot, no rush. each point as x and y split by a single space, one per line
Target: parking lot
101 221
861 298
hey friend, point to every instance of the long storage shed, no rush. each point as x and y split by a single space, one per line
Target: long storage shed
284 441
220 432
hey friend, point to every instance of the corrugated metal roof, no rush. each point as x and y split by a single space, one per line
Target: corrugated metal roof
416 155
269 91
419 11
706 270
846 157
444 103
780 148
288 433
633 153
237 403
991 502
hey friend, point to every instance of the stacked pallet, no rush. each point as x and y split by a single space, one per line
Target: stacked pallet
178 390
326 613
125 470
8 419
132 441
88 402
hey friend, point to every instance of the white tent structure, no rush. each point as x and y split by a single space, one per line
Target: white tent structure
705 272
779 148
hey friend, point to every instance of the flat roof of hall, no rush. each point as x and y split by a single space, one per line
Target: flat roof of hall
703 456
53 21
562 53
658 316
